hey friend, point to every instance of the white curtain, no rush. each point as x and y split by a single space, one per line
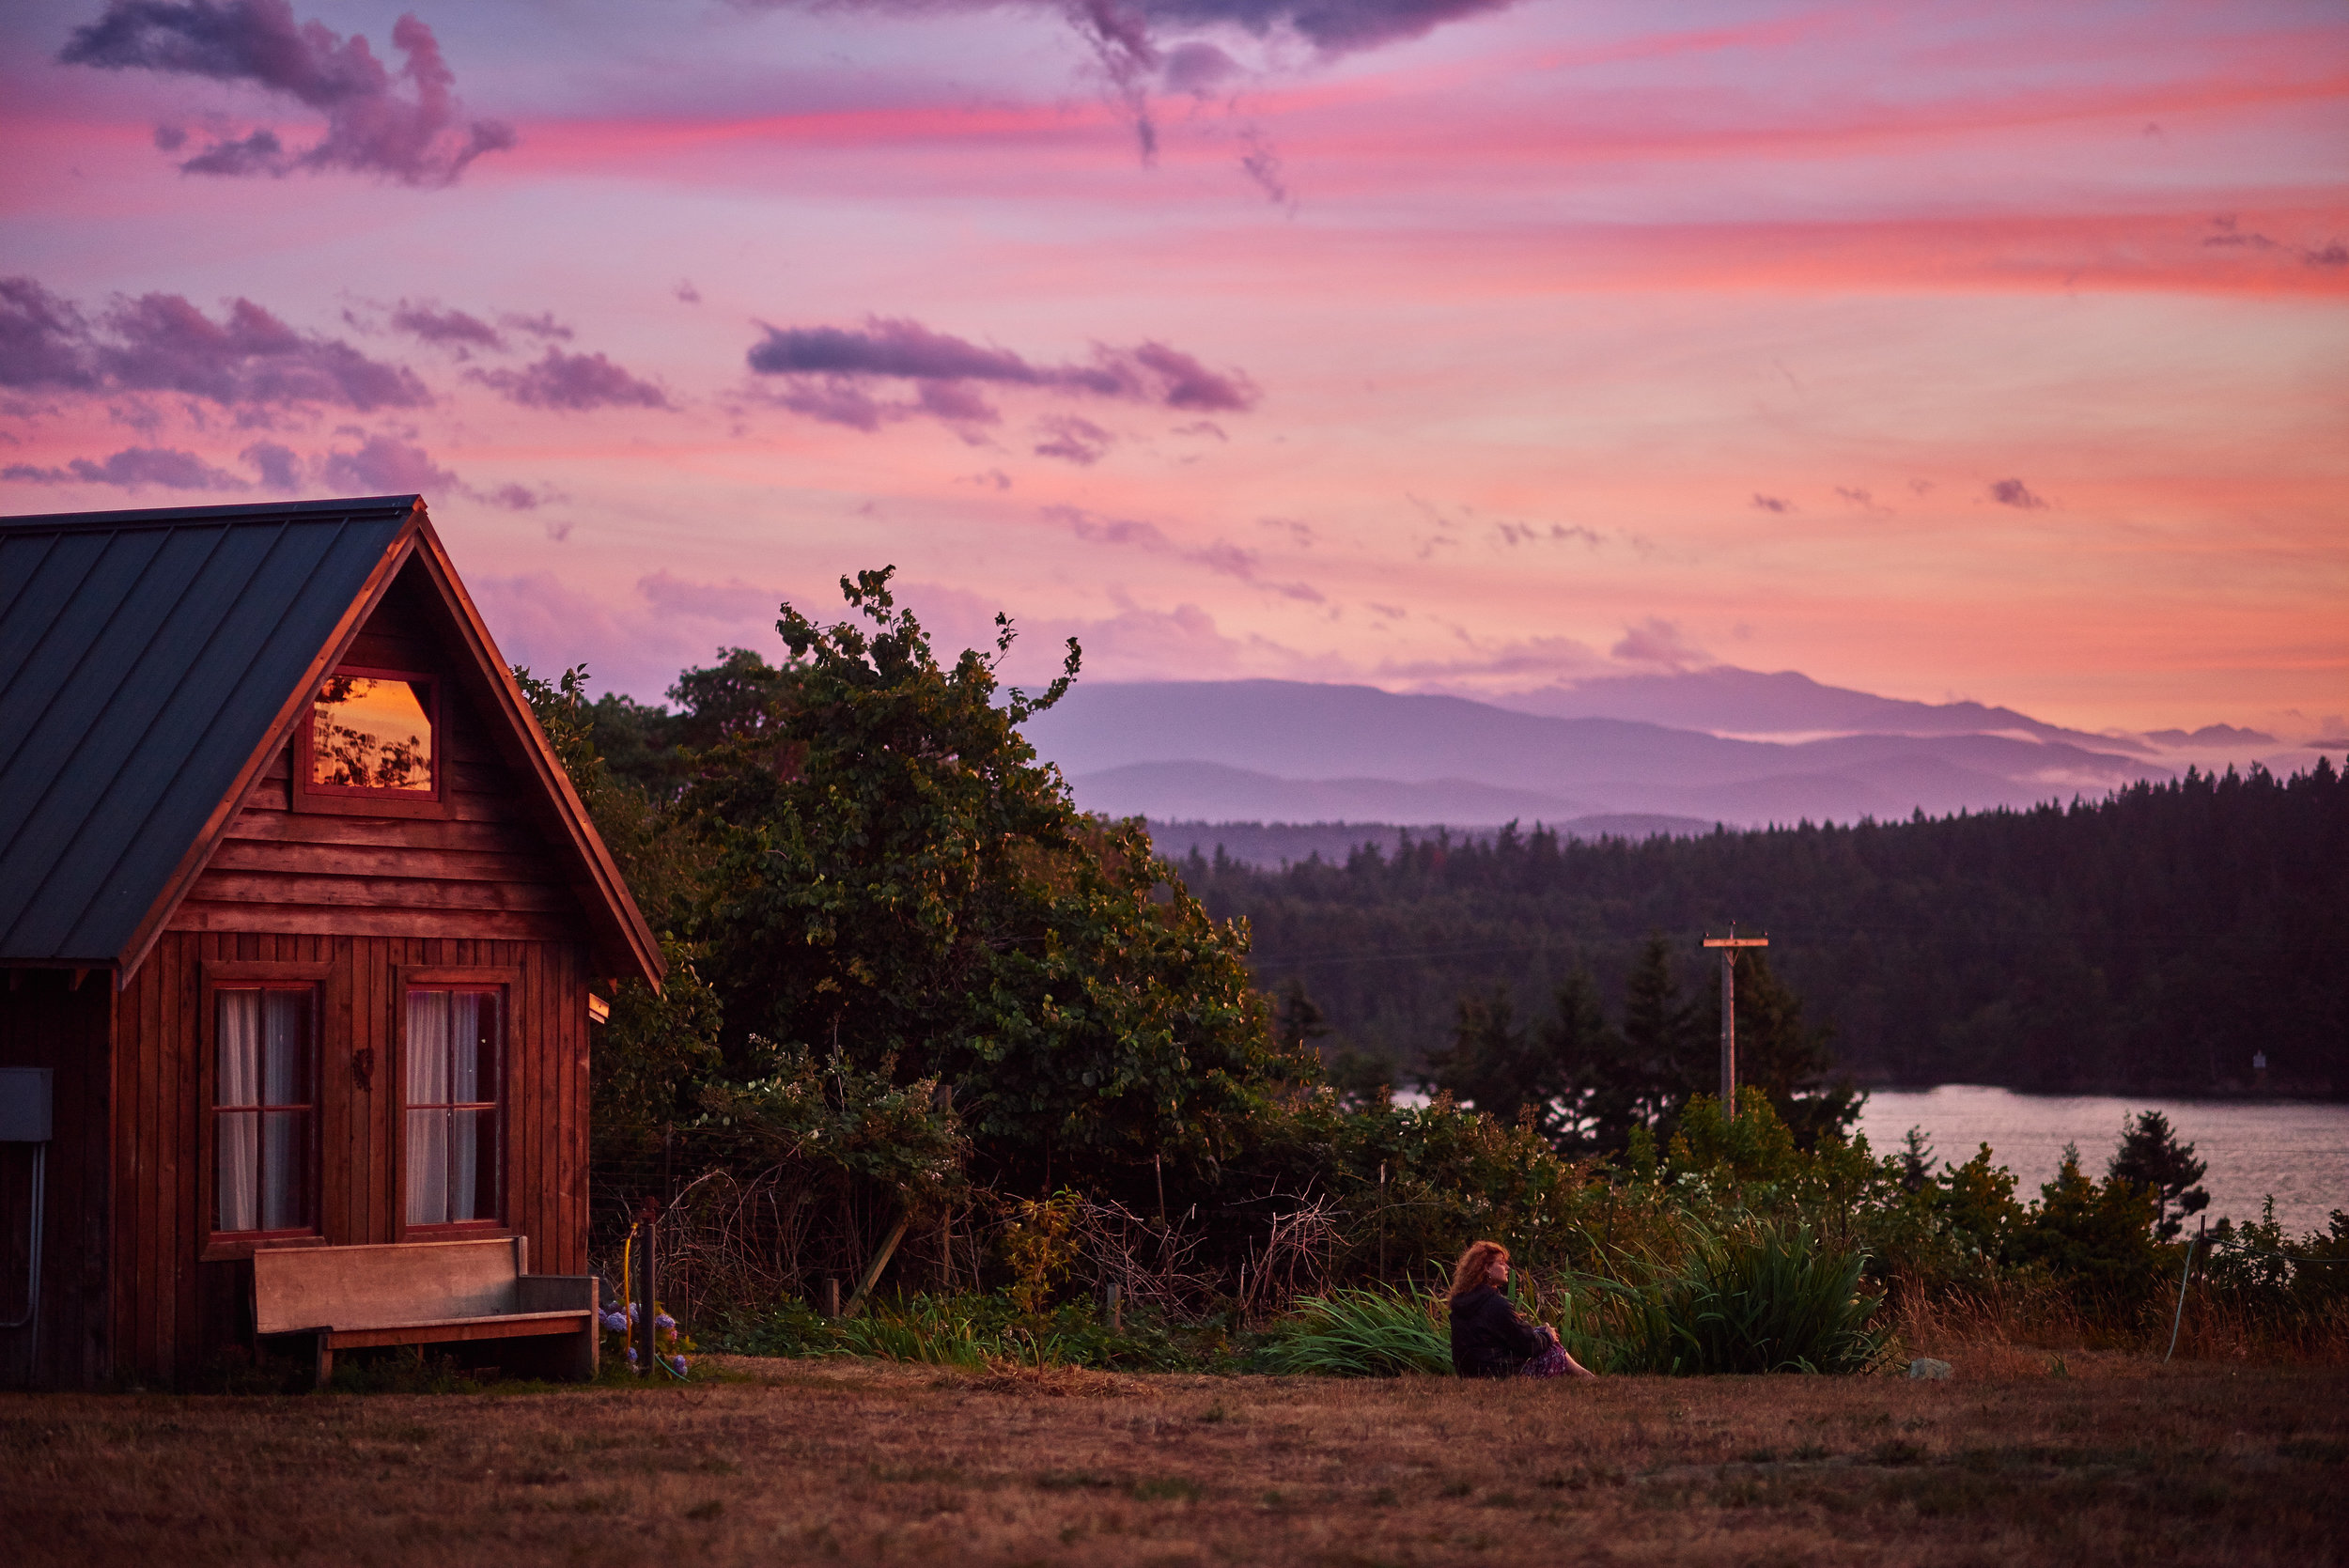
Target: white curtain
451 1100
236 1179
427 1088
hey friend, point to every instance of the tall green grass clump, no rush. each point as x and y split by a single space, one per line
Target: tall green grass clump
1361 1333
1775 1299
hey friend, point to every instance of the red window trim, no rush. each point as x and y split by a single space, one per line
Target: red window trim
506 981
218 976
373 799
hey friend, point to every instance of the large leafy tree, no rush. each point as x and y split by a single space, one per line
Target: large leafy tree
895 879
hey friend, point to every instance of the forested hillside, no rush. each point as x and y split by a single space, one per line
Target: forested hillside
2151 941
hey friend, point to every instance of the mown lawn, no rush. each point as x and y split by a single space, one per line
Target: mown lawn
836 1461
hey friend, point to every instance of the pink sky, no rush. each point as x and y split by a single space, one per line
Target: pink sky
1993 351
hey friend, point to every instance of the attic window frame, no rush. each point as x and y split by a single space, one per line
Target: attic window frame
373 800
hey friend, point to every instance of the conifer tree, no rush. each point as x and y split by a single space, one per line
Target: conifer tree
2151 1156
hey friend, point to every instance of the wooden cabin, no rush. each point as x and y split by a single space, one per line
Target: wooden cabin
300 924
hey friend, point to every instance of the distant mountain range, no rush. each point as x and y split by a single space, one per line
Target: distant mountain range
1788 704
1682 746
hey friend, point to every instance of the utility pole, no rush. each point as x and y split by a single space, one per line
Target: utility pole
1728 946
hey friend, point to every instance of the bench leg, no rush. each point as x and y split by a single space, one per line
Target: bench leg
323 1371
579 1364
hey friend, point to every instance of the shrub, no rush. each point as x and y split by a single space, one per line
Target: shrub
1779 1299
1361 1333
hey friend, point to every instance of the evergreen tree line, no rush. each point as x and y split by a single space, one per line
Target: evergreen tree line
2156 941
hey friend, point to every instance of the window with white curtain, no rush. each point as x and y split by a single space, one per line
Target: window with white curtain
454 1080
263 1100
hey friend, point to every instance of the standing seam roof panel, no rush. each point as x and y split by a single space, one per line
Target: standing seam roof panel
142 656
76 591
113 776
21 560
234 685
81 755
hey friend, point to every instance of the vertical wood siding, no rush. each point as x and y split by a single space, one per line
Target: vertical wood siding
173 1313
481 869
474 887
45 1021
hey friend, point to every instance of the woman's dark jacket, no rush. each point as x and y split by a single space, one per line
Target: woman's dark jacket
1489 1339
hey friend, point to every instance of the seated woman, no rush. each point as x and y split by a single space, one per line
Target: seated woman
1489 1339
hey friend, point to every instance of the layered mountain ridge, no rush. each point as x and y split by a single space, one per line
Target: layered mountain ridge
1728 746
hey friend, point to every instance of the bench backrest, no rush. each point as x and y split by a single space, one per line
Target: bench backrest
383 1287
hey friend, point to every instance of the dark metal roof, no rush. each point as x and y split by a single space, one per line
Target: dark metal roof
144 656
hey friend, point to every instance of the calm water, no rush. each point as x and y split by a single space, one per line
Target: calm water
2297 1152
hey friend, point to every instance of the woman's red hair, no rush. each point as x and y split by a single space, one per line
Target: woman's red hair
1475 1268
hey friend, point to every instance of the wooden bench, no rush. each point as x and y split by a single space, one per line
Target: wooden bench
427 1293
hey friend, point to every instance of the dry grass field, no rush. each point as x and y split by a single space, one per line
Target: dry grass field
2119 1462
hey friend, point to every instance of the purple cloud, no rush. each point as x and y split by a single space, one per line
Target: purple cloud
446 329
161 343
1197 69
736 601
830 373
1073 440
1130 41
132 468
2225 231
2015 493
572 381
1515 534
542 326
1771 502
1186 383
371 126
1263 165
44 340
1221 557
1113 531
1333 26
275 464
384 465
1658 641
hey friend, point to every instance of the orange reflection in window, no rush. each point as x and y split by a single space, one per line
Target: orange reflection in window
372 732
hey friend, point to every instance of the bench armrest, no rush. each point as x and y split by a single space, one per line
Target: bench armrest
554 1293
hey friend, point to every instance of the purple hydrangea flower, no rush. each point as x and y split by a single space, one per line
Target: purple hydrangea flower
679 1362
664 1323
632 1354
616 1322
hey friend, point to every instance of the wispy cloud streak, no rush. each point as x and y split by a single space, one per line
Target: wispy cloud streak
834 374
